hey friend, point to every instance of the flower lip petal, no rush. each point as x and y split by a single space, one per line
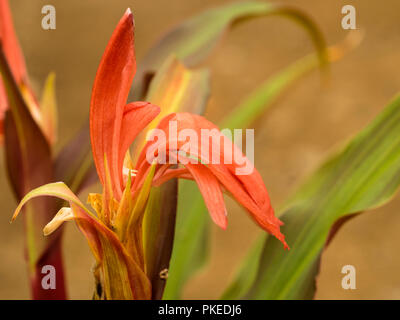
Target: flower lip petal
248 190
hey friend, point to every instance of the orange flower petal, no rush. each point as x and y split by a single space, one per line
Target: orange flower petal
110 92
212 194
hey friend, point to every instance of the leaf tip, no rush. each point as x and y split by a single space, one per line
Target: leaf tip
15 215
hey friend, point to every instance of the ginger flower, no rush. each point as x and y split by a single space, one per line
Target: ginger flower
114 230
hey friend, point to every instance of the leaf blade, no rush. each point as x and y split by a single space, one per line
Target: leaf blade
344 185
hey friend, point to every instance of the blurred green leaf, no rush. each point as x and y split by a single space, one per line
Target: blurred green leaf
362 176
258 102
158 229
247 272
191 243
193 40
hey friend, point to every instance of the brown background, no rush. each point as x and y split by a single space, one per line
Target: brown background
290 141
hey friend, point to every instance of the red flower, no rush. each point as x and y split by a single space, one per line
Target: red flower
13 53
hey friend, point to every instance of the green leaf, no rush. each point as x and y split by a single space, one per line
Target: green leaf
363 175
194 39
258 102
159 227
262 97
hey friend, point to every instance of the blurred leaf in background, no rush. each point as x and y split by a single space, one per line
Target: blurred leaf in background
29 131
365 174
194 39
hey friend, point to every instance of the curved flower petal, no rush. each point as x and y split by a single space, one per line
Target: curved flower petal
249 190
210 189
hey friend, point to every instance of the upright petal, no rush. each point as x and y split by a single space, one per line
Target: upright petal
10 44
110 92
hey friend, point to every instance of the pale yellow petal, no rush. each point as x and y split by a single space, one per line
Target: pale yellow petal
64 214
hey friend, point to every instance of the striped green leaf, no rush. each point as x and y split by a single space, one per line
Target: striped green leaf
365 174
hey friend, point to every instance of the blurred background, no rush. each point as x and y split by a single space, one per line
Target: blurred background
291 140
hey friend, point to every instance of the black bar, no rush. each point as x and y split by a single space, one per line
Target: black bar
200 309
